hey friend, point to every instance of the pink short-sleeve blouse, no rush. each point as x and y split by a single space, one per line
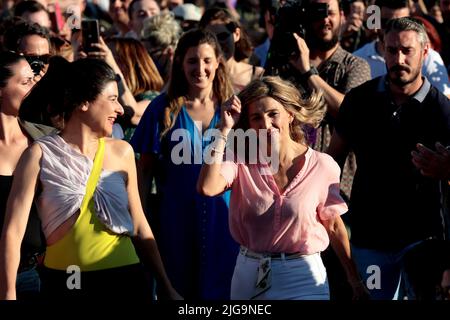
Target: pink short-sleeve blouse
264 219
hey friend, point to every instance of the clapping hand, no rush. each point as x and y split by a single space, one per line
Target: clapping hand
435 164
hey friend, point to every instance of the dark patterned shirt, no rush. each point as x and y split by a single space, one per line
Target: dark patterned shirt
342 71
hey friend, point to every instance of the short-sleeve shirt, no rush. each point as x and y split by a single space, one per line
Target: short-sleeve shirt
264 219
342 71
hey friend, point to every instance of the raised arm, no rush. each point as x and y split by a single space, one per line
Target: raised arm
333 97
16 218
210 182
143 236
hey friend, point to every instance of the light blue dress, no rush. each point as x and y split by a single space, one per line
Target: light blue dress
192 230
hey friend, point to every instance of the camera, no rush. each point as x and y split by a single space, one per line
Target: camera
294 16
37 63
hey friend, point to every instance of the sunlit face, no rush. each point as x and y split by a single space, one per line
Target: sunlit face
142 10
39 17
37 50
17 87
268 114
199 65
358 8
103 112
34 45
118 10
404 56
326 31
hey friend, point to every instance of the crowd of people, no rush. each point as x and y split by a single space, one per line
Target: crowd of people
225 150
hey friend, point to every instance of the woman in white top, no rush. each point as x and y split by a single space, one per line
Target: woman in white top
89 205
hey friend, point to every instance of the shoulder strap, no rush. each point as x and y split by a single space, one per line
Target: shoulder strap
95 174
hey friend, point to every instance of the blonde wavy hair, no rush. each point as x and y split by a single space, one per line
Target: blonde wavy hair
308 111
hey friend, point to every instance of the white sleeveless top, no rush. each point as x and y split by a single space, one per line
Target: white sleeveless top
64 175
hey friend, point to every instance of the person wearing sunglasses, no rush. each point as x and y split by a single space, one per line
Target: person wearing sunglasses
33 42
235 46
16 80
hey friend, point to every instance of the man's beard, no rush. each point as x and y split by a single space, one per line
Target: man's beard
398 80
320 44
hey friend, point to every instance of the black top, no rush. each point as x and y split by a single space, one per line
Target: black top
392 204
5 187
33 241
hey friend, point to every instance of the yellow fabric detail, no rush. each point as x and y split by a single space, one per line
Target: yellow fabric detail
89 244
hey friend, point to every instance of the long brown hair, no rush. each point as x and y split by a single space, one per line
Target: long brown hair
137 66
178 85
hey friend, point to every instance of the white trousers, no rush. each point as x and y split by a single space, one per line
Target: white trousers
303 278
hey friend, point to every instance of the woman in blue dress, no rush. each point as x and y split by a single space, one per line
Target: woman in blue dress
191 230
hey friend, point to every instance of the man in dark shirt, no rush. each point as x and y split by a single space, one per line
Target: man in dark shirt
395 204
324 66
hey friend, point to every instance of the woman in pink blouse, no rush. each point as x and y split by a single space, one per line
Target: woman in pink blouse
283 216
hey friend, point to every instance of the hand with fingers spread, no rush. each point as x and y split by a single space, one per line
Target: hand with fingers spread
231 111
435 164
301 62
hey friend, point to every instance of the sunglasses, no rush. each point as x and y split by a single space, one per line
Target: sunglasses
44 58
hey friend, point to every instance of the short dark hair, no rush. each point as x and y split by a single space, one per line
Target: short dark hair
407 24
7 60
392 4
64 87
19 30
28 6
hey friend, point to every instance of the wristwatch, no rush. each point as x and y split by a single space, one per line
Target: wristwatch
312 70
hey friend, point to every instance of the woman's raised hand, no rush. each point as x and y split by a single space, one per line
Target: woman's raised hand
231 111
103 52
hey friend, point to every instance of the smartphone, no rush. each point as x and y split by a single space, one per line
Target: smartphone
90 33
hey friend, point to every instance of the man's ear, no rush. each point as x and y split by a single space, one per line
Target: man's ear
426 49
343 17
